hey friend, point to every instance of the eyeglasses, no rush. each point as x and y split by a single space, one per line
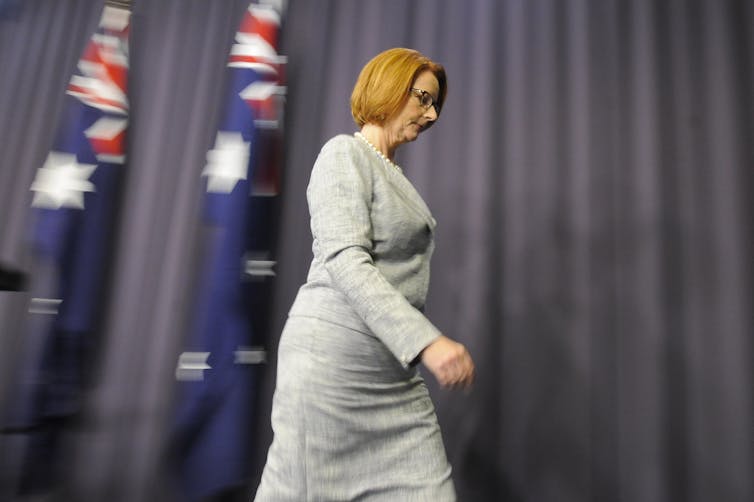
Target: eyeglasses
425 99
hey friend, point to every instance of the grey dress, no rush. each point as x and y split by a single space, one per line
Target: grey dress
352 418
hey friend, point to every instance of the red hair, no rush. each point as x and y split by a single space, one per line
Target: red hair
382 88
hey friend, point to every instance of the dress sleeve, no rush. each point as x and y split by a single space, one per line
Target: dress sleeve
340 199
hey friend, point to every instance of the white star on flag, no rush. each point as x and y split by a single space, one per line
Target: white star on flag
191 366
227 162
61 182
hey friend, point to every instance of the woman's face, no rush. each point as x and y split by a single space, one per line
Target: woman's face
415 117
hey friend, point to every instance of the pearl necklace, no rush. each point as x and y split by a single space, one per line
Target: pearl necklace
378 152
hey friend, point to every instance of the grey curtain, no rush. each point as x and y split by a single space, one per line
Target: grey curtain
591 177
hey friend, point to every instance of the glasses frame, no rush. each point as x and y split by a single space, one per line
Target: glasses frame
424 96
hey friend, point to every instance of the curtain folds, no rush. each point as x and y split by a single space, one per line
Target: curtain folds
591 177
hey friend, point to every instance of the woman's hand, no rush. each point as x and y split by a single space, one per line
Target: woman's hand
449 362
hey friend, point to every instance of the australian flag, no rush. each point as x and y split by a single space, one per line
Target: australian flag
74 199
219 373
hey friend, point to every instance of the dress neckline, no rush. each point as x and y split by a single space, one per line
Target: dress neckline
378 152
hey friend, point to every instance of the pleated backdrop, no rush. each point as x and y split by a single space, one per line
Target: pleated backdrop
591 175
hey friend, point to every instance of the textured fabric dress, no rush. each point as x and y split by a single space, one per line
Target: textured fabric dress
352 418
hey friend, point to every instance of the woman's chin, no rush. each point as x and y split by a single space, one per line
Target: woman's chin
413 132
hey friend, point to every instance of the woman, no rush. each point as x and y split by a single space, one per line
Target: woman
351 415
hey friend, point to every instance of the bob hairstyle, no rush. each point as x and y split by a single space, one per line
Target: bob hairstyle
382 88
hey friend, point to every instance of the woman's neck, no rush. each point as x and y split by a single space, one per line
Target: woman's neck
378 136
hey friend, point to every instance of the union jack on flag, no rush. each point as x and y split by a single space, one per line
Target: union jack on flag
74 196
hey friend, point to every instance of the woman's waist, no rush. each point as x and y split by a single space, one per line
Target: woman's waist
341 354
323 302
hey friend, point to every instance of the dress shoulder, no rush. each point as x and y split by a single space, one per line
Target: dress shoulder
344 152
342 143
